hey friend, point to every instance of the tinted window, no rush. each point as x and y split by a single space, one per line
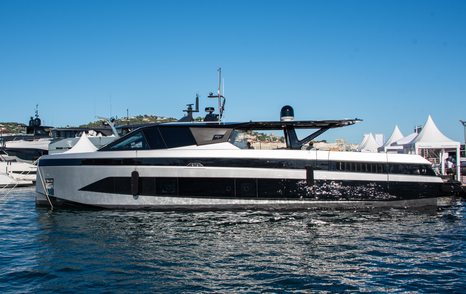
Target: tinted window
365 167
166 186
246 187
271 188
239 139
427 170
411 169
135 141
321 165
153 138
219 187
177 136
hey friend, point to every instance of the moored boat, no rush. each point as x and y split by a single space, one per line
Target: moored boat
209 165
14 173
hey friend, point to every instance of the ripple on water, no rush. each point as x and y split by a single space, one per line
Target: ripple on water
247 251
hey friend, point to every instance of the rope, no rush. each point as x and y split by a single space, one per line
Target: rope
9 191
44 187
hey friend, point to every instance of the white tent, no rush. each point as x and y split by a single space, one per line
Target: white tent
83 145
368 144
405 141
391 144
395 136
400 145
431 137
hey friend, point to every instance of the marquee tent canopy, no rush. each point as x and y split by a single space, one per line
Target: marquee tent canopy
368 144
391 144
431 137
83 145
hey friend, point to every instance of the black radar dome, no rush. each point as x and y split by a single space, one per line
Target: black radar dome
287 113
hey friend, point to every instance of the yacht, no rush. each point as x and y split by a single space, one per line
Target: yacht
210 165
7 182
15 173
41 140
28 146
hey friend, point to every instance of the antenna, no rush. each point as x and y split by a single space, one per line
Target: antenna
219 91
189 110
219 96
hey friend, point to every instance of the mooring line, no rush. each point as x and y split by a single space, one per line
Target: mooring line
44 187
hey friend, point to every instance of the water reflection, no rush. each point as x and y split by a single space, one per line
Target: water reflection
254 251
247 251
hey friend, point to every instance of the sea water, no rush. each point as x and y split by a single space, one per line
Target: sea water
112 251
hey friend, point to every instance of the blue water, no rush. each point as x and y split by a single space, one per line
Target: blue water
76 251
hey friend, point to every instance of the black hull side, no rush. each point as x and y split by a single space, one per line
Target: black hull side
273 189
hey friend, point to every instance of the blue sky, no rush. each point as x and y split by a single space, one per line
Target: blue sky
386 62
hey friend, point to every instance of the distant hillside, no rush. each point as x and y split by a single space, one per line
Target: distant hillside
145 119
12 128
15 128
135 120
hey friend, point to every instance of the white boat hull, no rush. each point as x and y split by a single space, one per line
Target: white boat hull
100 183
13 174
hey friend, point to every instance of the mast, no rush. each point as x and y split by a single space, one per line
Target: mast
37 111
219 96
219 92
